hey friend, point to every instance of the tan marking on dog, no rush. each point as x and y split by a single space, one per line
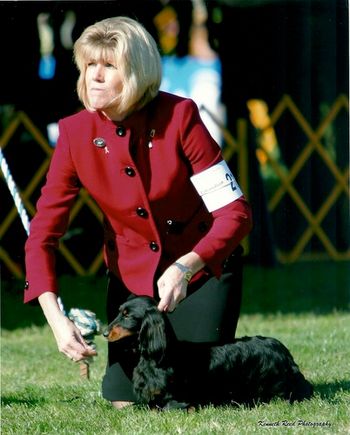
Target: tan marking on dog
117 333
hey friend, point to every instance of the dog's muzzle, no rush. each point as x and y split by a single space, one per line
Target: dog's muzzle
116 332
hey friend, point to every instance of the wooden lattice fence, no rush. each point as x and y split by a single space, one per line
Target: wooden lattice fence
35 156
338 172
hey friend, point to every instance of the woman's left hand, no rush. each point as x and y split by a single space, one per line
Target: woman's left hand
172 288
172 285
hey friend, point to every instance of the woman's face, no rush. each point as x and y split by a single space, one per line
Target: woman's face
103 83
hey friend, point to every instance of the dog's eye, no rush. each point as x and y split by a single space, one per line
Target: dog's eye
125 313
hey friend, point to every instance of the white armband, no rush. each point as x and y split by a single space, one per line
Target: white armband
217 186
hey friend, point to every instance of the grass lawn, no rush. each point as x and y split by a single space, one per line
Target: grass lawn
42 392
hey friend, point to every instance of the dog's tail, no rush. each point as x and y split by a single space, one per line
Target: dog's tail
301 388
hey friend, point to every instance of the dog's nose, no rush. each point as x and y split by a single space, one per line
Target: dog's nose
105 334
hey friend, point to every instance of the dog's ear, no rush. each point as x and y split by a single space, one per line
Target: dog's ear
153 335
152 374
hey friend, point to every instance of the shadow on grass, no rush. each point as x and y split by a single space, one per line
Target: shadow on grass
36 396
17 401
328 391
304 287
319 288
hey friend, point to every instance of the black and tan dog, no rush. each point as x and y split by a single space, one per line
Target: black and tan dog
174 374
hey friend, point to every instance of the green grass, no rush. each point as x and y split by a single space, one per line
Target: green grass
42 392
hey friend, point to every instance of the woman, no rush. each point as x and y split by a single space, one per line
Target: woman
173 212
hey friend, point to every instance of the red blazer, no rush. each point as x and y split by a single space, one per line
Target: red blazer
140 178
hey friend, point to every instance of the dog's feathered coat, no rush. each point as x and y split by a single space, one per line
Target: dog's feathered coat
170 373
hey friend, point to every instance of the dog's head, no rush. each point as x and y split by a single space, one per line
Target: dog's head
140 315
130 317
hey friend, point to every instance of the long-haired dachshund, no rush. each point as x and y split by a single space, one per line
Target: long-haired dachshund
176 374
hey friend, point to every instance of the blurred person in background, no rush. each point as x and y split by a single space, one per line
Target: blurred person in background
191 68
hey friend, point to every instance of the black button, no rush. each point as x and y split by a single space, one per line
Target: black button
130 171
120 131
26 285
174 227
111 245
142 212
154 246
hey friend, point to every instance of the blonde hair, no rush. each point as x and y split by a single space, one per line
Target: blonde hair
134 52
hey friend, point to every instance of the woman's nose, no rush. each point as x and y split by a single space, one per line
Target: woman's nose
98 73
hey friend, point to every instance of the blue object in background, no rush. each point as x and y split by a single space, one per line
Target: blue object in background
180 74
199 79
47 67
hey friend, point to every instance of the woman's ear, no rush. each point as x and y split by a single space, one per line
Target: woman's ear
153 335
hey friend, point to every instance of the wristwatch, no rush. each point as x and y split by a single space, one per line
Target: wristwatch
186 271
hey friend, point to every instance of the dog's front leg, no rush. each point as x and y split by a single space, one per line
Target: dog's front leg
151 383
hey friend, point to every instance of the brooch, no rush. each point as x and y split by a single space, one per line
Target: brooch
151 136
101 143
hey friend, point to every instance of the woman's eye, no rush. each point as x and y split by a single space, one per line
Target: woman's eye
109 65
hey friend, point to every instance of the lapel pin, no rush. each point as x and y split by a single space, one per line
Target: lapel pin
151 136
99 142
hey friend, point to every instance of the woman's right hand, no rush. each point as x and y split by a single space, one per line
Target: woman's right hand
68 337
70 341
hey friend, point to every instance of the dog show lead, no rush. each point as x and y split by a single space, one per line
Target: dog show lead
174 215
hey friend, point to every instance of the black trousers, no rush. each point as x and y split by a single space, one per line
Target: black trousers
208 314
